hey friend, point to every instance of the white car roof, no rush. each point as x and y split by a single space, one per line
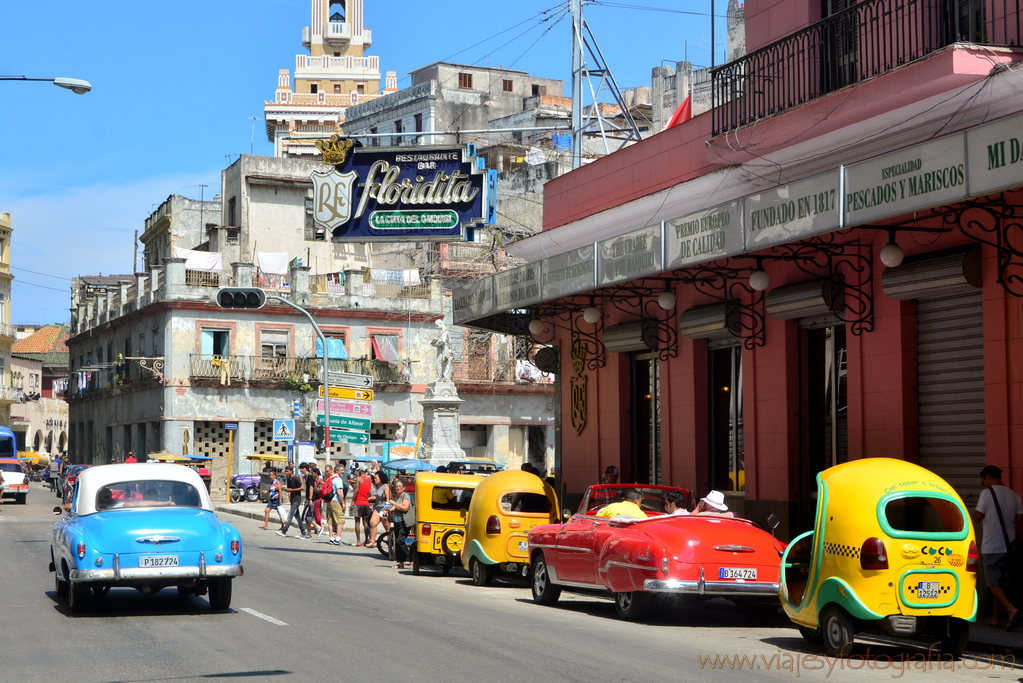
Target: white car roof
92 479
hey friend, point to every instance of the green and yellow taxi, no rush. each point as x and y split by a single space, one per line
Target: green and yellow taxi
892 550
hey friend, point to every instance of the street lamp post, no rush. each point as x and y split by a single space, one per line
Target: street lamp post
75 85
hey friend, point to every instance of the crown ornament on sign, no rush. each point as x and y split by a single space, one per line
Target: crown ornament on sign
335 150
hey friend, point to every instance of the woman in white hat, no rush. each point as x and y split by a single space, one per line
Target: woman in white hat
713 504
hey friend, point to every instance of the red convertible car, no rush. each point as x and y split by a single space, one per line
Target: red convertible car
638 558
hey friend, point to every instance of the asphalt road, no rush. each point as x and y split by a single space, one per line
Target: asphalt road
310 611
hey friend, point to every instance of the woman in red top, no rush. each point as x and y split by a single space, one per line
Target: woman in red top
363 510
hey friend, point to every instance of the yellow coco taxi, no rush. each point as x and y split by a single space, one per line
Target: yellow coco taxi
892 550
442 501
503 510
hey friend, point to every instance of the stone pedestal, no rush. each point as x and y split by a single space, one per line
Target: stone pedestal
441 432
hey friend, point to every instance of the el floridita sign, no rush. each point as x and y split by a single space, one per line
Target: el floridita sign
386 194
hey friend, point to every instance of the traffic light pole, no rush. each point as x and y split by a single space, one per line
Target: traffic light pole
326 376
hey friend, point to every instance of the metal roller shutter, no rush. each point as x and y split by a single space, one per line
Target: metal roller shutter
950 380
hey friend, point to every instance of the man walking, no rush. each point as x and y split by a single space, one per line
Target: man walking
1003 507
293 486
336 506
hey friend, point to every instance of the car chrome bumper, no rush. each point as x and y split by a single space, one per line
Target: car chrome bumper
170 574
702 587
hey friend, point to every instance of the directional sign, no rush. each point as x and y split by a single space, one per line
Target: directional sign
231 425
344 379
341 436
284 430
344 421
356 394
360 408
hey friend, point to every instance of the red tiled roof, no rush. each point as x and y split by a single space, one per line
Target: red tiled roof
48 339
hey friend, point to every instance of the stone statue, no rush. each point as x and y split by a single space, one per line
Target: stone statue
444 358
400 432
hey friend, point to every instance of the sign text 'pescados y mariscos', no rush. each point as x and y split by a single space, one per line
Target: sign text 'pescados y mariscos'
432 194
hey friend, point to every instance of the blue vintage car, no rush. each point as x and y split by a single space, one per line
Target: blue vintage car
142 526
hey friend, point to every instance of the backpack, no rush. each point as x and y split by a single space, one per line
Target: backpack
326 490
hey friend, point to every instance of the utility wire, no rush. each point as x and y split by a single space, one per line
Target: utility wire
56 277
32 284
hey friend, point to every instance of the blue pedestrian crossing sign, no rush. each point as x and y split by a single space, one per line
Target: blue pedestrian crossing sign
284 430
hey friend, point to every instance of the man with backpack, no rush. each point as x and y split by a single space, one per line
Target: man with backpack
333 490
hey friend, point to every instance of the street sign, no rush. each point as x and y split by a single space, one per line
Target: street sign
360 408
345 379
341 436
231 425
356 394
284 430
344 421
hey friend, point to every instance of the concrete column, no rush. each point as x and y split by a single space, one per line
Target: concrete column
353 282
174 274
300 285
242 274
122 295
140 283
154 279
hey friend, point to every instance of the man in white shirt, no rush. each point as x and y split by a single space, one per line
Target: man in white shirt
993 548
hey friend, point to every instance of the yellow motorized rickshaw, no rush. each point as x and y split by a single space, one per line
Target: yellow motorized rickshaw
892 550
442 501
503 509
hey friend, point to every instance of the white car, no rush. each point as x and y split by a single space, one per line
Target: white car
14 481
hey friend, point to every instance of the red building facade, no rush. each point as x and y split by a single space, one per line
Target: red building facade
827 266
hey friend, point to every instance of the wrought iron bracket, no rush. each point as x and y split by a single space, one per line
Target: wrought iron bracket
744 306
997 222
153 364
568 316
849 267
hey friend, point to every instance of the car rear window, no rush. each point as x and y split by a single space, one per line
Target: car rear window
451 498
520 501
147 493
9 467
924 514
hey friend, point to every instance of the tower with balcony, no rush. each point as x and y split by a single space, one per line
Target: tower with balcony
335 75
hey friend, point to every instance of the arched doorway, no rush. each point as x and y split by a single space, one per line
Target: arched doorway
37 442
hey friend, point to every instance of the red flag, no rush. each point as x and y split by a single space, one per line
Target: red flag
683 113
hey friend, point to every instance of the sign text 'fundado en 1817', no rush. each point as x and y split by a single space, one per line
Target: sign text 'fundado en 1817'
390 194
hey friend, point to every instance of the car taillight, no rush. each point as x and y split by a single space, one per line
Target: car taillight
972 558
493 525
873 554
236 545
81 550
427 529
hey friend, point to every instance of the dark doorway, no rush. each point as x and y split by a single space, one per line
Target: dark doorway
645 457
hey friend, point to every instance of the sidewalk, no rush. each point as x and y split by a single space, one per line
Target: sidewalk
983 638
255 511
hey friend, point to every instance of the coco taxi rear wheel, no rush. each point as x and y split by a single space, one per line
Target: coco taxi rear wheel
838 630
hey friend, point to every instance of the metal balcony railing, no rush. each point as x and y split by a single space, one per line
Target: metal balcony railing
863 41
246 368
220 367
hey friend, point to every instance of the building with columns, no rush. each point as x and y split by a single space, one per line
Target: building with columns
8 393
335 75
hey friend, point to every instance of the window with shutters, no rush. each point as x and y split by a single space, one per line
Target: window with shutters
465 80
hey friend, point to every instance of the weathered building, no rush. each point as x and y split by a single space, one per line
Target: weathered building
39 371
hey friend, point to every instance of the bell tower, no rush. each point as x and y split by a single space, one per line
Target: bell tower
335 75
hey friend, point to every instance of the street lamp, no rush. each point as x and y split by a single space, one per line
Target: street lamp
75 85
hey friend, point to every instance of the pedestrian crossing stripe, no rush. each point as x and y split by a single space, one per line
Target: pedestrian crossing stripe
284 432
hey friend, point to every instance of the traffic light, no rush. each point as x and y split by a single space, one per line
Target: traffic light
241 297
321 434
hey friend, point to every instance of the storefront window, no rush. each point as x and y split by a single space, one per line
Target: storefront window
646 426
727 468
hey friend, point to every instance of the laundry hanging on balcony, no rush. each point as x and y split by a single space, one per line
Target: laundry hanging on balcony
394 277
335 348
385 347
209 261
274 263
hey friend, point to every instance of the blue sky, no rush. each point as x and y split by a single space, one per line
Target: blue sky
175 85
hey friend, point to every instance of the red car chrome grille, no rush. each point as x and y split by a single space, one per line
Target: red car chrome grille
735 548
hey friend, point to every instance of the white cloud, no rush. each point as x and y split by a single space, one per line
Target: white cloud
82 231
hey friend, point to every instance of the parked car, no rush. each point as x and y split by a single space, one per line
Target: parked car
245 486
504 507
442 501
142 526
67 487
481 466
15 481
892 550
635 559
